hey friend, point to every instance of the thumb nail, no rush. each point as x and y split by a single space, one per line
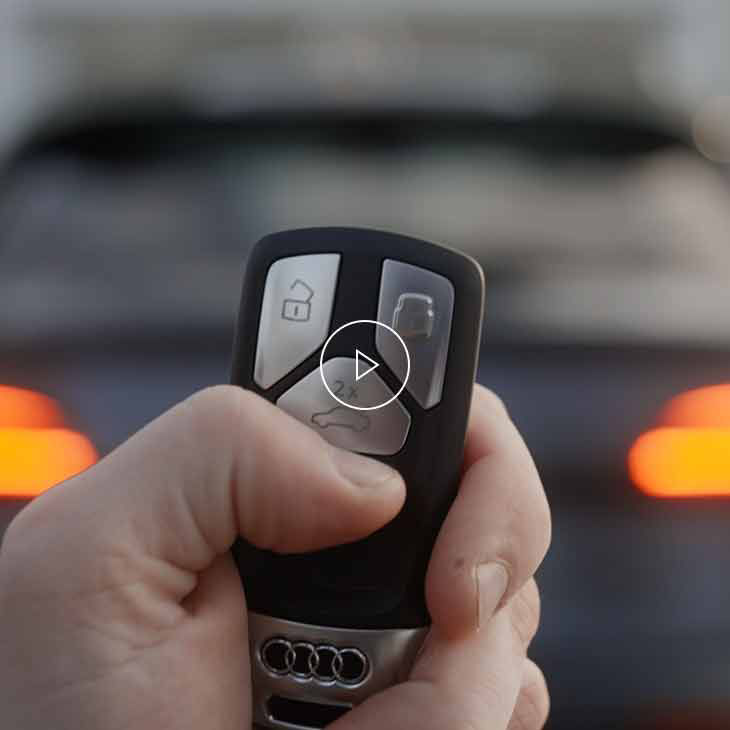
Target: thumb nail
361 470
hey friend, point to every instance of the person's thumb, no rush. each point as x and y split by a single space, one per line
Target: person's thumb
221 464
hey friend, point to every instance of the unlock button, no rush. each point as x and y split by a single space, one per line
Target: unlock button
298 310
295 313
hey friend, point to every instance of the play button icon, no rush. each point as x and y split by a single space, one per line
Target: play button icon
347 368
363 365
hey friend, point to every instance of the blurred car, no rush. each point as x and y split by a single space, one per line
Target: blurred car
564 160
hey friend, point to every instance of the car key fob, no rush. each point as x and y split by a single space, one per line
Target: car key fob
370 339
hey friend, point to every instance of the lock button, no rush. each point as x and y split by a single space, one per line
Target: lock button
295 313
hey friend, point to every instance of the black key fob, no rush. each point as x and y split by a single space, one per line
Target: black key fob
370 339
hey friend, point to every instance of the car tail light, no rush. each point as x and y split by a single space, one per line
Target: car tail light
37 449
34 459
688 454
704 408
20 408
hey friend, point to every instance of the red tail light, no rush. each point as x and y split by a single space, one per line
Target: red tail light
688 455
37 450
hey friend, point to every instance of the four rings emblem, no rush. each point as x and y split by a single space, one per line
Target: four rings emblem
322 663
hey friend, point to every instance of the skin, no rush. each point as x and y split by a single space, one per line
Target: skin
121 608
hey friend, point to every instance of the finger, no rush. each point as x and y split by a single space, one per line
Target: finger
468 682
498 529
221 464
533 703
490 428
525 612
487 408
215 634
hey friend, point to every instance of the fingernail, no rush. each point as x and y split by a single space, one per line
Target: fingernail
491 580
362 471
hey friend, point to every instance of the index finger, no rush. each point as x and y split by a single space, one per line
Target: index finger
498 529
469 682
490 428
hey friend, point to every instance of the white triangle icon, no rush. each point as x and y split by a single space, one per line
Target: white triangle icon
362 370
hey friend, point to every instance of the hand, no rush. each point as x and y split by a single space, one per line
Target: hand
121 608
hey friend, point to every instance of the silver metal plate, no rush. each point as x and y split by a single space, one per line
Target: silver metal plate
382 431
390 655
419 305
295 313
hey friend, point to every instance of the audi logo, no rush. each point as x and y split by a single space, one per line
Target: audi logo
321 662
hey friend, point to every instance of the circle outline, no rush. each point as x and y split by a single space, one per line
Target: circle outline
312 656
292 655
288 660
339 664
321 678
377 324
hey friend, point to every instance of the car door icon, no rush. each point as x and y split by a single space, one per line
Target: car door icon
298 306
414 316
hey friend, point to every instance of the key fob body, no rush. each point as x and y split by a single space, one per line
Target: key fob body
328 629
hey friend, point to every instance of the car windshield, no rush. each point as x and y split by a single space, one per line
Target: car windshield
568 216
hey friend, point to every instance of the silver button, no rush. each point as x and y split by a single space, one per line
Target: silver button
295 313
419 305
382 431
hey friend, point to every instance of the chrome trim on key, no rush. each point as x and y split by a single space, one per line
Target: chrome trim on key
285 661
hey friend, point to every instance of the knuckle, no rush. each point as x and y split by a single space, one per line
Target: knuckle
524 612
218 404
229 417
490 399
218 417
533 704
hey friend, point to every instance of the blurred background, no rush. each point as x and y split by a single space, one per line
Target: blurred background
578 150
